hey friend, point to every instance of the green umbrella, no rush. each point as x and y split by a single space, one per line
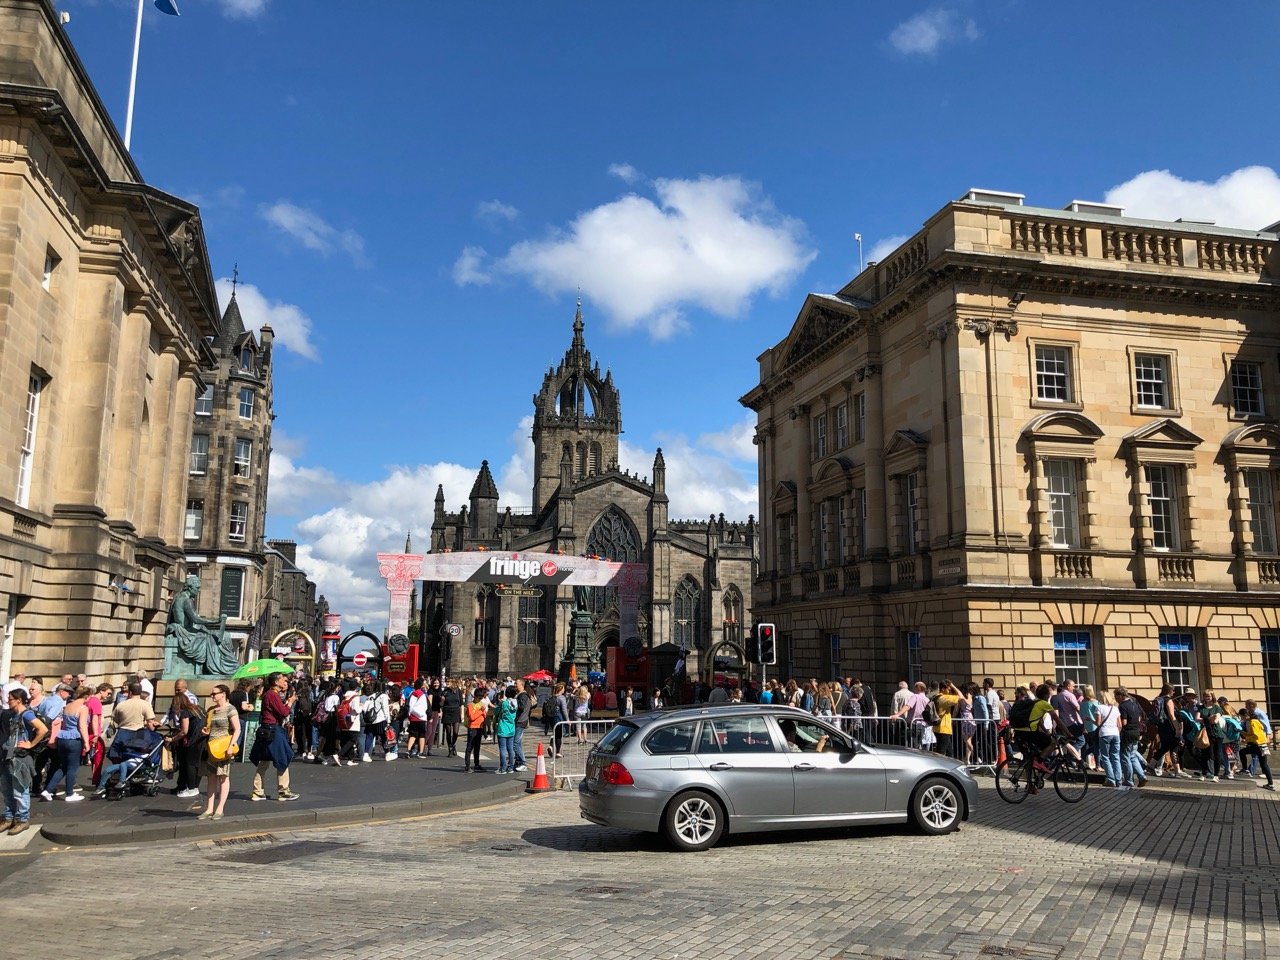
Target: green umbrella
260 668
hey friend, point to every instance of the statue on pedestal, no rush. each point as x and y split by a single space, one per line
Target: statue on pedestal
196 646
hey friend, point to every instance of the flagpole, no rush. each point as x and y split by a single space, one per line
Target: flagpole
133 78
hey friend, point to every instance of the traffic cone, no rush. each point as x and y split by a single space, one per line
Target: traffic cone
1000 758
541 782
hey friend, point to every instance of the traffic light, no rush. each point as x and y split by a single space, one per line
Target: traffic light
765 641
753 648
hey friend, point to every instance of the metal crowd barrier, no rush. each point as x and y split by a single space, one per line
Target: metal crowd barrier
571 764
974 742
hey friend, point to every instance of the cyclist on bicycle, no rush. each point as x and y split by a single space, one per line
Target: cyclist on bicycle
1033 735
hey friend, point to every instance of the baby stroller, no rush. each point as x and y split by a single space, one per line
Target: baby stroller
137 752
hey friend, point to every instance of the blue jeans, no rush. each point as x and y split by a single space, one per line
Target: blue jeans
519 745
66 764
1109 756
123 768
1131 763
15 785
506 754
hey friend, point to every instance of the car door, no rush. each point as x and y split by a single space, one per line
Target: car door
840 781
741 757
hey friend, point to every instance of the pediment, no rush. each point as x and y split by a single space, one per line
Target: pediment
1062 426
821 318
1163 433
905 442
782 491
832 468
1253 438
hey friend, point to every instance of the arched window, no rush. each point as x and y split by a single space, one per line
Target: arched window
612 537
688 615
486 620
582 459
732 603
594 465
532 622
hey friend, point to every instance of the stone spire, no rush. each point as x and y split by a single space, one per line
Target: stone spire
408 542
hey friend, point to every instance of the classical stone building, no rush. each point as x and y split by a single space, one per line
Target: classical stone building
106 305
1029 442
700 572
226 503
293 595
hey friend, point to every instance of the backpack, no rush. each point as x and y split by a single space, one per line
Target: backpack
344 714
549 710
930 713
320 716
1020 713
370 714
1158 715
1232 729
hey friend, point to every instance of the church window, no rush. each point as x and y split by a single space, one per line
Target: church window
612 537
582 459
688 615
486 618
595 458
733 614
531 622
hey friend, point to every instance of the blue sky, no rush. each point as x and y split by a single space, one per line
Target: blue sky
414 192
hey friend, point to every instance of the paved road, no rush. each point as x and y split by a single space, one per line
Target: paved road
1157 874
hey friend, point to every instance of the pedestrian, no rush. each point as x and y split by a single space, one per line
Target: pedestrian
1261 716
1106 743
271 745
188 743
524 711
582 712
348 714
223 721
505 727
476 713
302 726
1195 739
419 706
563 716
824 703
435 710
377 718
69 748
1132 724
97 747
945 703
242 700
48 708
1255 736
1168 733
329 732
20 732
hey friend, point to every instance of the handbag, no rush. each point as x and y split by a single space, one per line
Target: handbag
1202 739
221 749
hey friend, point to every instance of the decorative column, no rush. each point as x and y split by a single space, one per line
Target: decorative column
165 442
401 571
184 408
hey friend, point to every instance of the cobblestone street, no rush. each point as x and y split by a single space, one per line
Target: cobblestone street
1161 873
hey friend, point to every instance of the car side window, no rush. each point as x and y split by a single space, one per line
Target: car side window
802 736
736 735
676 738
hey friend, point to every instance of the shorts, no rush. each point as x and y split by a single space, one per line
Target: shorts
1037 740
417 728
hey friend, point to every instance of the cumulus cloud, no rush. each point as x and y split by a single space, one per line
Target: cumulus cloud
469 268
713 243
243 9
885 246
292 327
338 541
494 213
1248 198
295 489
926 32
624 172
313 231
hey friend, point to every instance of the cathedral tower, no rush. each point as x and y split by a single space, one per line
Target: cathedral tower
576 412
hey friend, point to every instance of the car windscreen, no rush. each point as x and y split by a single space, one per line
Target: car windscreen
615 738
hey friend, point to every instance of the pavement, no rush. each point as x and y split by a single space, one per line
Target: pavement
1171 872
368 792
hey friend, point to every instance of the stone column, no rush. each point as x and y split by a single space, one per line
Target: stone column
163 443
175 502
1090 500
131 378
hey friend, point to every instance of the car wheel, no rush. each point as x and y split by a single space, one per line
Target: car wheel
693 821
936 806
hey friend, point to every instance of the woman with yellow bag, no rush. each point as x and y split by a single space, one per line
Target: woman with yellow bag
220 750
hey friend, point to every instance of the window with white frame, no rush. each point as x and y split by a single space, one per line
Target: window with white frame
842 426
246 403
820 435
1163 500
204 403
911 495
243 457
1178 660
199 453
30 431
860 417
1262 510
51 262
246 358
824 534
1073 656
1053 374
915 668
1061 478
1151 380
1246 389
239 521
194 525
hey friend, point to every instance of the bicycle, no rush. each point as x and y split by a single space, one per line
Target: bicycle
1017 776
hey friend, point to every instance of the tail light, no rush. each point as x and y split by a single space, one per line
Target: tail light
615 774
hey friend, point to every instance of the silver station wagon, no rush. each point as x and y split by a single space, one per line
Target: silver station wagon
698 773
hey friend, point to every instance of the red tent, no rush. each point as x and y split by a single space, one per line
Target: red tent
541 676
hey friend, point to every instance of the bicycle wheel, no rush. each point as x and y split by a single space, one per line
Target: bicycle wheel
1070 780
1012 780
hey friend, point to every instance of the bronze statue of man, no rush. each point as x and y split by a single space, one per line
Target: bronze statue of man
195 645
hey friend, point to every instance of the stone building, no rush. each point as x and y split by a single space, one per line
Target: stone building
106 305
583 504
1031 442
293 596
226 504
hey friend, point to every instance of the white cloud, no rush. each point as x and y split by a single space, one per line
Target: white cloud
624 172
337 543
469 268
885 246
243 9
294 489
494 213
713 243
292 327
313 231
1248 198
926 32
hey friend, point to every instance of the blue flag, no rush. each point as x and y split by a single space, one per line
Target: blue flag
168 6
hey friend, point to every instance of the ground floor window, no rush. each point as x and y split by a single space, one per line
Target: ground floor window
1271 674
1073 656
915 669
1178 660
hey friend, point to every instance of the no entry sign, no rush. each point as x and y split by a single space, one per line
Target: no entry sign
360 659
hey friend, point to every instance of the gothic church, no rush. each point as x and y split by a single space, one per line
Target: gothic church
700 572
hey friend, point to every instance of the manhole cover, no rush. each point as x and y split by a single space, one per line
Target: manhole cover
599 892
243 841
284 852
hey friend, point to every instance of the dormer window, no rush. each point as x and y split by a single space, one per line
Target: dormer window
247 359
